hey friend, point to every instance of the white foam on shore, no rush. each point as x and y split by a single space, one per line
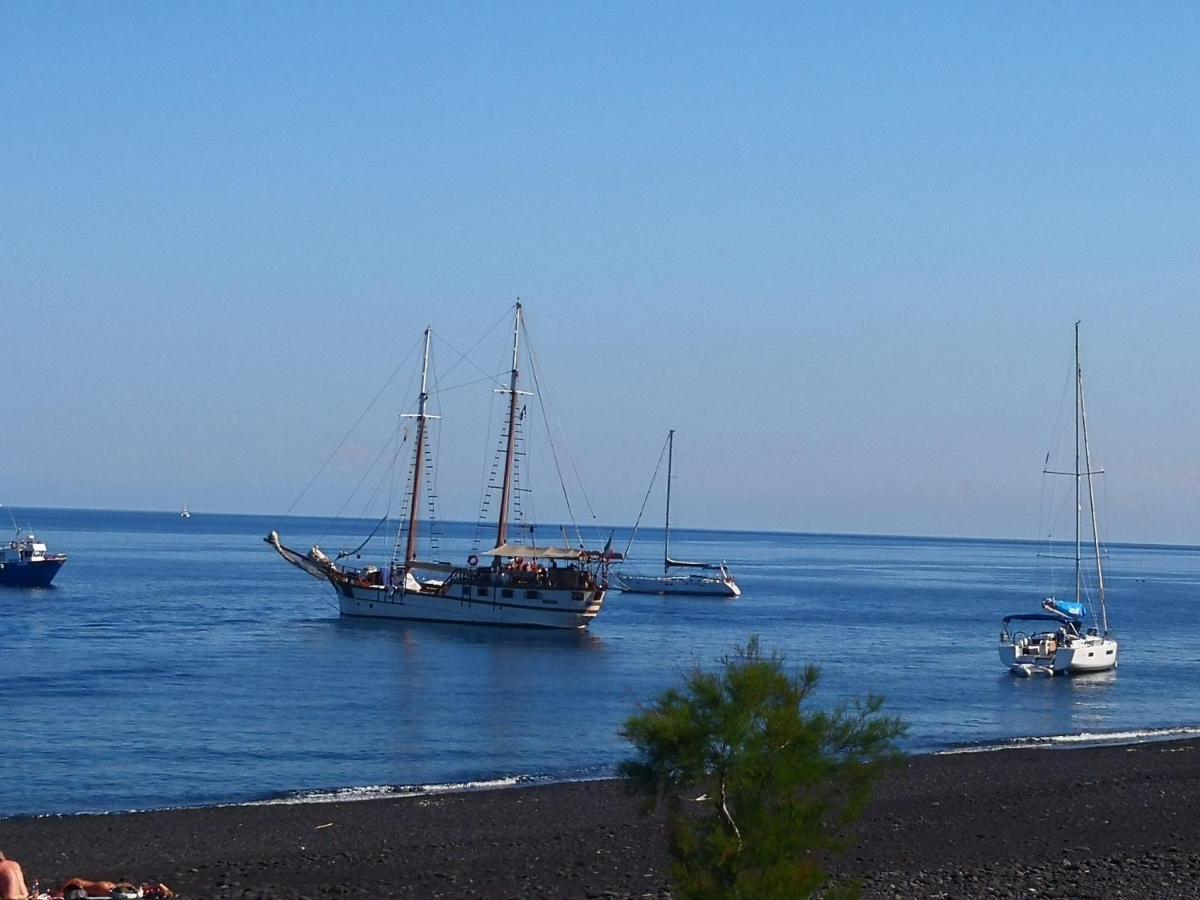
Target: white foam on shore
1083 739
340 795
393 791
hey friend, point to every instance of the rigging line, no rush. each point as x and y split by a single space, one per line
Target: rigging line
404 522
494 379
434 448
389 474
400 431
465 357
650 487
566 440
1057 435
399 437
361 481
489 457
549 436
353 427
386 477
366 540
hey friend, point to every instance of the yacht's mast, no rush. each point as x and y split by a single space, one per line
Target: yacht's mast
410 550
667 527
1079 388
510 451
1087 462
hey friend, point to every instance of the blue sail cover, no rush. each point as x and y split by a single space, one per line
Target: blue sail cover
1067 608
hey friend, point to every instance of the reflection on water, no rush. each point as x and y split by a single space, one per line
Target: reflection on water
479 635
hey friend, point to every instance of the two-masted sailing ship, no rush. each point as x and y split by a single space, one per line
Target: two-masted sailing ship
513 584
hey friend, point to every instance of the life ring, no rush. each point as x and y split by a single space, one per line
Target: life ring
472 560
12 544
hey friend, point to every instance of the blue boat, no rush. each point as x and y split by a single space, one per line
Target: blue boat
24 562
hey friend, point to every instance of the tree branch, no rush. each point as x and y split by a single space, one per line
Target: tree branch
728 818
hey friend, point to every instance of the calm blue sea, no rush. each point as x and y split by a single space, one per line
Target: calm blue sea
181 662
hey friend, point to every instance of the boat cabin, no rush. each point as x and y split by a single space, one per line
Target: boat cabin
26 549
1041 634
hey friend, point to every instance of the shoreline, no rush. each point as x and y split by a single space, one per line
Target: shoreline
399 792
1103 821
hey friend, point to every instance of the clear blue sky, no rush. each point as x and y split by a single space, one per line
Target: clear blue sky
839 247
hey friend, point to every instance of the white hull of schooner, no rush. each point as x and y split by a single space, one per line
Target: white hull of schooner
468 604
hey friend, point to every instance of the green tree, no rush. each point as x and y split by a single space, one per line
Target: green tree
775 784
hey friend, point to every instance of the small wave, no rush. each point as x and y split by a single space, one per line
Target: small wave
383 791
1082 739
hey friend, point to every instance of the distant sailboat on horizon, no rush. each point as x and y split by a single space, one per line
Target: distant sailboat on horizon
185 514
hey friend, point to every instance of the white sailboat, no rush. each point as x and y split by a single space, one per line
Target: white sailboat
715 579
1069 637
184 514
518 585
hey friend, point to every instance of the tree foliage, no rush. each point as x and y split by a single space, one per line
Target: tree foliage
774 784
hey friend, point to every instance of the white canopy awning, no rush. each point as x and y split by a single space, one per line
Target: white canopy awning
536 552
429 566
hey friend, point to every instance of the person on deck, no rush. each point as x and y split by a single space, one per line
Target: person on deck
12 880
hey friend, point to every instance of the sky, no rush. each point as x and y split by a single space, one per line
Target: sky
839 247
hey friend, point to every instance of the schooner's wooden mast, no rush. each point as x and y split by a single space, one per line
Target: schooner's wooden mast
511 448
410 550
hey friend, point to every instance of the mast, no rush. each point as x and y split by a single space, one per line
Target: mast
1079 387
410 550
667 526
1087 461
511 449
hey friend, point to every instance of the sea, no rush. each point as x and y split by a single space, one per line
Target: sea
180 662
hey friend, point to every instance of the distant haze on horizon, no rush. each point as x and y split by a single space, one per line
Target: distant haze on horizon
840 249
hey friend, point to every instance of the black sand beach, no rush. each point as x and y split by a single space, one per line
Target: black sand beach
1094 822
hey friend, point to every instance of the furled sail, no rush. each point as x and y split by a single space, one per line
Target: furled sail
1067 609
315 563
682 564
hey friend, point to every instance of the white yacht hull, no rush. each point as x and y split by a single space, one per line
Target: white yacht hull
691 585
1089 654
465 604
1094 654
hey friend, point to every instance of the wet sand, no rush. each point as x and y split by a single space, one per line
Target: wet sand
1092 822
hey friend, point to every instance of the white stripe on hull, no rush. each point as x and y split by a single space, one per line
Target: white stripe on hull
548 608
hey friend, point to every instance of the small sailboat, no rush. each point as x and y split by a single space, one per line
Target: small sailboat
517 584
714 581
1069 636
184 514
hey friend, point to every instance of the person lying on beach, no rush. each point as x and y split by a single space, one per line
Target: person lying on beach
12 880
78 888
